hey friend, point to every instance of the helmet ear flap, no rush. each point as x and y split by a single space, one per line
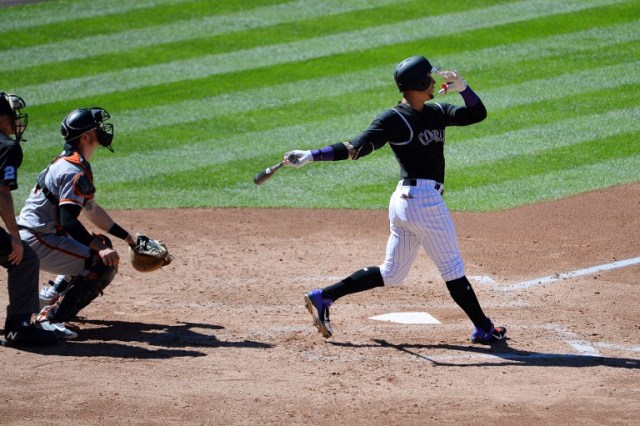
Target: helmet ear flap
64 131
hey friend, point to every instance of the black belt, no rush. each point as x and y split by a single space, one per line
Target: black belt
414 182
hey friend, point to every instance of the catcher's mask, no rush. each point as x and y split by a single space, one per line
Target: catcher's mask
414 73
82 120
11 105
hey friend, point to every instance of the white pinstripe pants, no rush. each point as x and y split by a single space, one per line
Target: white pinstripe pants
419 217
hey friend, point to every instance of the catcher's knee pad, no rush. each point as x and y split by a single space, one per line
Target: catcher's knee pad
82 290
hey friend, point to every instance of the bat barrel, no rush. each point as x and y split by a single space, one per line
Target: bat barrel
266 173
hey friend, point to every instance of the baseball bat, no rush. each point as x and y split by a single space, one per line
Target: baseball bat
270 171
267 173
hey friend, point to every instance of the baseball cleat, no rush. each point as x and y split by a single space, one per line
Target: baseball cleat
318 307
495 335
58 329
27 335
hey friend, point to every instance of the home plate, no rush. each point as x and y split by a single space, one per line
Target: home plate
407 318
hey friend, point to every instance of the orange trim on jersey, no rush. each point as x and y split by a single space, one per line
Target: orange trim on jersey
58 249
76 159
70 201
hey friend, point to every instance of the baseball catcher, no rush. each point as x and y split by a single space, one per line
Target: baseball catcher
50 223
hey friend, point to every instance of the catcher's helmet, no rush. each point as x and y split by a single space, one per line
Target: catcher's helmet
80 121
11 105
413 73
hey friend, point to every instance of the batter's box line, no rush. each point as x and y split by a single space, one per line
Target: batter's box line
584 347
483 279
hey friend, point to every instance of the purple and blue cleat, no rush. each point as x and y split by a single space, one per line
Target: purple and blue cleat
495 335
318 307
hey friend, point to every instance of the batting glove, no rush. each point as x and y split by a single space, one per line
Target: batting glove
297 158
454 82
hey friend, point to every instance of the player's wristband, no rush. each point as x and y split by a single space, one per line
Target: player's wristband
117 231
469 96
323 154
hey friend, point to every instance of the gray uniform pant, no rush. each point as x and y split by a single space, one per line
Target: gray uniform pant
59 254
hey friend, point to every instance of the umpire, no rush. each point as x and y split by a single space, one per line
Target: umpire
21 262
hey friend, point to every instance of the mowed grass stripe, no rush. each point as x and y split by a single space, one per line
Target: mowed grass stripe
51 12
279 34
385 35
208 26
378 78
464 158
269 101
126 21
552 135
163 52
586 151
546 186
507 149
299 188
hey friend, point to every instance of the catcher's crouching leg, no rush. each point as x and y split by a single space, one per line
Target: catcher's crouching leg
81 291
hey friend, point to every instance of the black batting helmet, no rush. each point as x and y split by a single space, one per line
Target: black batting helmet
11 105
413 73
80 121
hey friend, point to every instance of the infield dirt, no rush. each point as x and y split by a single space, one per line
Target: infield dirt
221 335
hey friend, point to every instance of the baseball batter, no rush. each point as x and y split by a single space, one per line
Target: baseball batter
418 215
49 223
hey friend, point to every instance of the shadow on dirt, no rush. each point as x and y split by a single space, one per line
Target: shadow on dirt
122 339
508 356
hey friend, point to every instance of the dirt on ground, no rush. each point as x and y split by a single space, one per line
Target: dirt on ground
221 335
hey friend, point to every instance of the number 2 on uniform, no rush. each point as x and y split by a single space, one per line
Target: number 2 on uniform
10 173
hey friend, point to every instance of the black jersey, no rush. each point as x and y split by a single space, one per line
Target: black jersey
417 138
10 160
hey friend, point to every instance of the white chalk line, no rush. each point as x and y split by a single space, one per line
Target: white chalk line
582 347
483 279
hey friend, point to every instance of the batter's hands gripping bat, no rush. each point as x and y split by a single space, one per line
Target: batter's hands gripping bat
267 173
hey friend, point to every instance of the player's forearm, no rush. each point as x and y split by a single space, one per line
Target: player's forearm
340 151
118 231
475 108
470 97
326 153
98 216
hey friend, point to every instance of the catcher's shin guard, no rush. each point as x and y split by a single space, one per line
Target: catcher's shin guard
82 290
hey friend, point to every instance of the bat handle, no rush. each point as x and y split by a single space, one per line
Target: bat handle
276 167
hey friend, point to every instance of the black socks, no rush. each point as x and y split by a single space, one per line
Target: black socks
462 293
364 279
368 278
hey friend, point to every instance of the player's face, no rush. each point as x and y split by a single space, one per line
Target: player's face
92 137
429 90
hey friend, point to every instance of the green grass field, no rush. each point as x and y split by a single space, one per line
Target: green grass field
204 94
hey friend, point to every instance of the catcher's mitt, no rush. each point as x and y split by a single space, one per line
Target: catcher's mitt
149 254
